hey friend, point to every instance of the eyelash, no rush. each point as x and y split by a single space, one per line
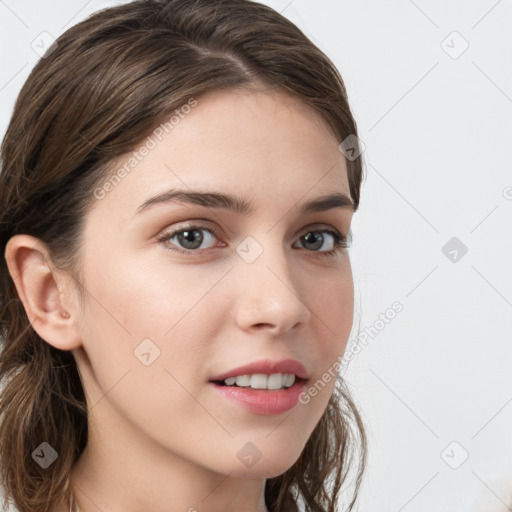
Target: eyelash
340 241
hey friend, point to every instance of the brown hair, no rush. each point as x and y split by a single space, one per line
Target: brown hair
94 97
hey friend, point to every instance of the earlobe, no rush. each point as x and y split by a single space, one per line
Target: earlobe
37 284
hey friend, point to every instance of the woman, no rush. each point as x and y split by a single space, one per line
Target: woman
176 291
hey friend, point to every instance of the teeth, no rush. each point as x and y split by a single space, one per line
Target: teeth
274 381
243 380
259 381
290 379
262 381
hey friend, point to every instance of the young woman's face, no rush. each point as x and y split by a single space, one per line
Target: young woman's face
227 287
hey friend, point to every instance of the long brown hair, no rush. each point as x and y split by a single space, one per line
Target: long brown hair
108 82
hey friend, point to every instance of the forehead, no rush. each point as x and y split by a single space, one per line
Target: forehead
236 141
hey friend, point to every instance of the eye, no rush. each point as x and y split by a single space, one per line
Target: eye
191 238
316 239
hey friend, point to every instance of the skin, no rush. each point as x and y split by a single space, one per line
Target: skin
158 434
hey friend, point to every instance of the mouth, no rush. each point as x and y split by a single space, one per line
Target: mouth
261 394
258 371
263 387
260 381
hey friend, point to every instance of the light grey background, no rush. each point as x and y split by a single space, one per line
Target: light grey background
435 383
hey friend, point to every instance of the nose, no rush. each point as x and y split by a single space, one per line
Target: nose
269 293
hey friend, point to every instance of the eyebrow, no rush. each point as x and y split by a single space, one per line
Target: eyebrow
240 205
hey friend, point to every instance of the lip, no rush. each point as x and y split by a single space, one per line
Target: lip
262 401
267 367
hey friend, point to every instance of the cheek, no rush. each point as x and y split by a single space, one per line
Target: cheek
150 296
139 311
145 333
332 305
331 301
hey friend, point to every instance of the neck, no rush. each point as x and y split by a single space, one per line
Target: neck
122 470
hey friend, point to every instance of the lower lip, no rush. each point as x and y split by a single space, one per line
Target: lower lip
263 401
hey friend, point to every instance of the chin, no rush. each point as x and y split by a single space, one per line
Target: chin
267 463
261 470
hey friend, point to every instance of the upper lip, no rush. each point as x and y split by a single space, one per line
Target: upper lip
267 367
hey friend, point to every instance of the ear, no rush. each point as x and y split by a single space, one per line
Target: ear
41 289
